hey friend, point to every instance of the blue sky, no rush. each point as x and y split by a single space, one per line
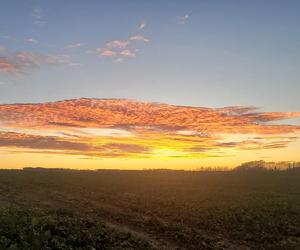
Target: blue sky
200 53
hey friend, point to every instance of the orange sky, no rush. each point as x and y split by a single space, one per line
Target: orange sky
124 134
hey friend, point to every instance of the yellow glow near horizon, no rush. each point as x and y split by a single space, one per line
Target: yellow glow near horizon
234 158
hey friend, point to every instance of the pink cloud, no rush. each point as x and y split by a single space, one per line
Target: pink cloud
183 19
120 48
127 128
120 54
22 61
6 66
127 53
108 53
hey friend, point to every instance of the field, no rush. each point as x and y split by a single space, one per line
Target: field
69 209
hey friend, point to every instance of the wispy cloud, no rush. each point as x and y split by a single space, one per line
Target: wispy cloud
64 145
36 13
142 26
22 61
108 52
31 40
139 38
183 19
120 44
123 128
37 16
127 53
121 48
6 66
120 54
10 139
74 45
119 60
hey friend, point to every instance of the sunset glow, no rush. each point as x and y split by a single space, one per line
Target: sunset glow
79 133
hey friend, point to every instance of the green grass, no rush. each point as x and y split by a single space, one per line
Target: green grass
151 209
59 229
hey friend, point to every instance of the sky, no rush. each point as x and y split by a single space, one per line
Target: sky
204 55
